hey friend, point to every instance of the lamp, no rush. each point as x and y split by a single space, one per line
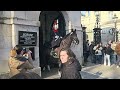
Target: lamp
115 22
97 29
97 14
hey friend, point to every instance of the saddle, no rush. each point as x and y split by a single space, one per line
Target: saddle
56 42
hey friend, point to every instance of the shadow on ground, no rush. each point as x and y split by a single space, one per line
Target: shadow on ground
86 75
89 64
52 74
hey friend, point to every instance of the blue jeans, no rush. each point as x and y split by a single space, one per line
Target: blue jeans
92 57
99 59
113 58
118 60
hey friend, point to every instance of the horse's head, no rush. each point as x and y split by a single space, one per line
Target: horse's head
67 40
74 37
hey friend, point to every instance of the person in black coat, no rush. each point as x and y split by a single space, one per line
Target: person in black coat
70 66
92 52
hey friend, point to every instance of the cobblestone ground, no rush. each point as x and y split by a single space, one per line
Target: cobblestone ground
90 71
110 72
53 74
86 75
4 76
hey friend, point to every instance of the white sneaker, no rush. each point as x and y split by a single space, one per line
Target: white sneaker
117 66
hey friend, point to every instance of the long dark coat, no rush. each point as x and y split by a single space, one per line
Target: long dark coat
71 70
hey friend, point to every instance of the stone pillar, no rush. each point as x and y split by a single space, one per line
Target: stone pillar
75 19
5 45
5 40
78 49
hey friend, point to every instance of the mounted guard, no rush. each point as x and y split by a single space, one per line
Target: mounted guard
57 38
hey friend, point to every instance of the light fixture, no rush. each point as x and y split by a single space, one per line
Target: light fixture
115 32
115 18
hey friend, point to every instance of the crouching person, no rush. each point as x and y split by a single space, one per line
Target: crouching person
18 63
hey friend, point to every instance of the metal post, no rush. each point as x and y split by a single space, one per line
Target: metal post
97 30
115 33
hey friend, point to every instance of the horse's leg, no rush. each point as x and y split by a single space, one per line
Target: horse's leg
48 63
59 62
48 60
43 64
48 67
59 68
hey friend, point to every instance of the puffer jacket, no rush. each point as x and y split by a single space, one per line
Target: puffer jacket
71 70
18 64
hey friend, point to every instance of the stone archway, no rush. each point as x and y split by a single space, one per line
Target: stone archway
46 19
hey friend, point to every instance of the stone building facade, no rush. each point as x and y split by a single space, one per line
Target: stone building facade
11 22
106 22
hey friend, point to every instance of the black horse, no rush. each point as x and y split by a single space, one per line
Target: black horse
66 42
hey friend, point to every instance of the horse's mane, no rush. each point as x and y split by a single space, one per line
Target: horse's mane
65 36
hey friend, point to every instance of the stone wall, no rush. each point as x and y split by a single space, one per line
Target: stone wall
29 29
5 45
75 18
78 49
